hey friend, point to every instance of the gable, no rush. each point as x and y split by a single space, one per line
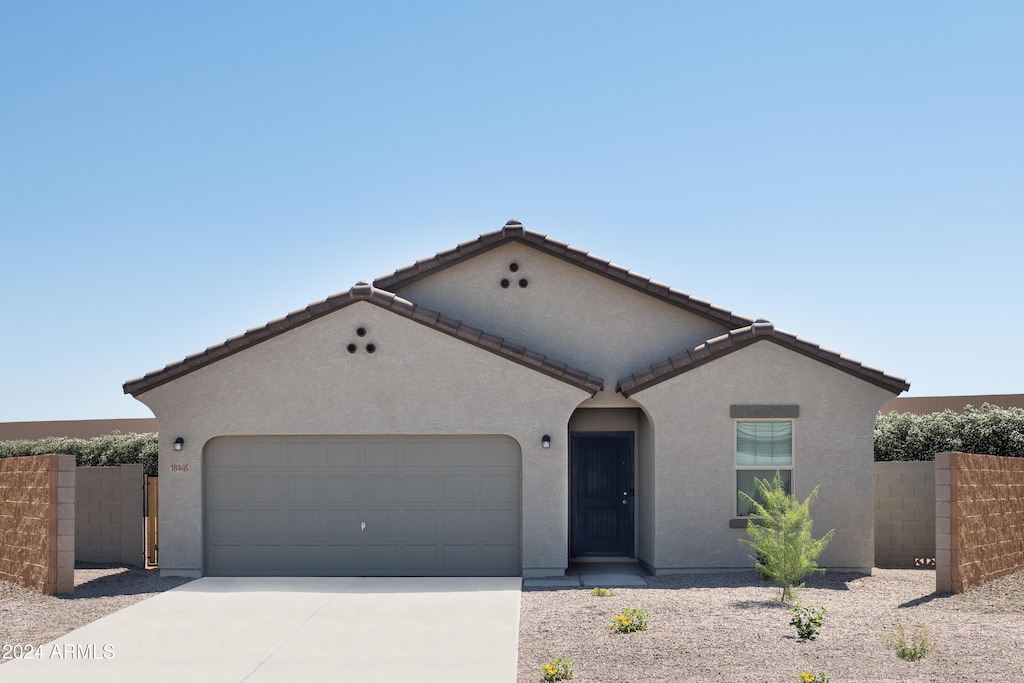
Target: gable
416 380
390 302
541 300
735 340
514 232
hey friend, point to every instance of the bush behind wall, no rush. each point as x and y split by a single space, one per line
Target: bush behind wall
989 430
101 451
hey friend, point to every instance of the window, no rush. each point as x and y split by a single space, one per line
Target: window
762 448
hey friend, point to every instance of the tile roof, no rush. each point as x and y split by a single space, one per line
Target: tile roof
515 232
734 340
388 301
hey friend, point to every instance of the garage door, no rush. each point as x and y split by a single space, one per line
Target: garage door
341 506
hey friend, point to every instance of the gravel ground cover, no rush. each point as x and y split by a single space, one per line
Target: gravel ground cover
729 627
703 627
30 618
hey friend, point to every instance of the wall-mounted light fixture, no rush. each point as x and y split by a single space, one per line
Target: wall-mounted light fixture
545 441
178 443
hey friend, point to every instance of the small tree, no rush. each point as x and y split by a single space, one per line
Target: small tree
779 533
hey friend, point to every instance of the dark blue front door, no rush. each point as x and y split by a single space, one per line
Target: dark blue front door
601 491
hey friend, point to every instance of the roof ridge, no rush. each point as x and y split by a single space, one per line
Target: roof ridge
738 338
513 230
388 301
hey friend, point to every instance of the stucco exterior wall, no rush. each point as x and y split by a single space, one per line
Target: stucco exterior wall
419 381
566 312
604 420
695 455
646 491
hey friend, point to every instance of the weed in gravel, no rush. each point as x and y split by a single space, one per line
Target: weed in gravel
602 592
556 670
807 620
911 646
808 677
629 620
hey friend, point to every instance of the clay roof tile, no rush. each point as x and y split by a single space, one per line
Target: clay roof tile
742 337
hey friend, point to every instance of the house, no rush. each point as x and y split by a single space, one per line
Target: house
502 408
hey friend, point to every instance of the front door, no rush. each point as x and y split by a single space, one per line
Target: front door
601 492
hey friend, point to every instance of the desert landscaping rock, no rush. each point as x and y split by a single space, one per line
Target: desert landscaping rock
703 627
730 627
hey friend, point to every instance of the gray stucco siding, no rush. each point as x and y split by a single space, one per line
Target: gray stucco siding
419 381
695 454
566 312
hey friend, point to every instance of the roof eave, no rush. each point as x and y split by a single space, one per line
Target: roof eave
513 231
735 340
388 301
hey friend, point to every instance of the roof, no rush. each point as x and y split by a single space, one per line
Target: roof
925 405
762 330
513 231
76 429
388 301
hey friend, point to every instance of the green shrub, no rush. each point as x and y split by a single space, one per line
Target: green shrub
988 430
807 620
602 592
110 450
779 532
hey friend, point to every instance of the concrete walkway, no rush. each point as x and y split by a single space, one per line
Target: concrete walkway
265 630
593 575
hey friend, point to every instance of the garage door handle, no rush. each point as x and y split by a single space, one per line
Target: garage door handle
362 526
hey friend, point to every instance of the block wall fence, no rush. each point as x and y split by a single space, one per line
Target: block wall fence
979 519
37 522
53 514
904 514
109 525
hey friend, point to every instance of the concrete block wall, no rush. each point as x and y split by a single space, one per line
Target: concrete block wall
109 522
979 508
37 522
904 514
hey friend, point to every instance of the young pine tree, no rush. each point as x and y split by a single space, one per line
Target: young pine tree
779 533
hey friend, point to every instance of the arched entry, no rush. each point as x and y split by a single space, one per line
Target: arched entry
602 482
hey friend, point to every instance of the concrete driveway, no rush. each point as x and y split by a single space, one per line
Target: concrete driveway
265 630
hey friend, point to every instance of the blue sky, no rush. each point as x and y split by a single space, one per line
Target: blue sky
172 175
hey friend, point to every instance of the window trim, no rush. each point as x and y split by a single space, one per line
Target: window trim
737 468
772 411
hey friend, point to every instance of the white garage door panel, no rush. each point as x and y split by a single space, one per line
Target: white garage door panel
296 506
